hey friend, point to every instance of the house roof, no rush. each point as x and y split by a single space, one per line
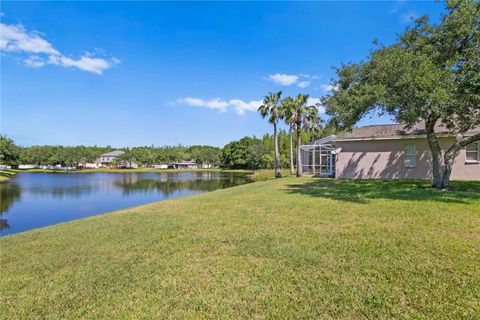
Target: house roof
393 131
115 153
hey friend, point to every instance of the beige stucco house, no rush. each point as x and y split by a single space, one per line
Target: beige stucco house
394 152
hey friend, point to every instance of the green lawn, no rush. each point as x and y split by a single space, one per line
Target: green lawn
287 248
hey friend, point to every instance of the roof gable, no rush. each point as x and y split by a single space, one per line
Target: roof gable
115 153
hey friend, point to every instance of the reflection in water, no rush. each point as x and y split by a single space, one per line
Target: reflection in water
49 198
9 193
204 181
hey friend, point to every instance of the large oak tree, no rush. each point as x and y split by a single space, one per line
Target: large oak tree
431 73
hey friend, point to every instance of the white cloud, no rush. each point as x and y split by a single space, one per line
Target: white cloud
283 79
239 106
39 52
302 80
326 87
309 76
316 102
34 62
303 84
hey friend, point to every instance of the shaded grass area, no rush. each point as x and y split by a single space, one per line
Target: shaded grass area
285 248
267 174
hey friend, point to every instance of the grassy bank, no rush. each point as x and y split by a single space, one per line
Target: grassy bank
287 248
5 175
267 174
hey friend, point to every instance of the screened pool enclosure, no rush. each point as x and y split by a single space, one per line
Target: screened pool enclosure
318 158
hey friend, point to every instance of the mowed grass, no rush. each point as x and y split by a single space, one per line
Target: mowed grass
281 249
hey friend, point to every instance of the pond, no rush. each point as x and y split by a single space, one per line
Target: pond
33 200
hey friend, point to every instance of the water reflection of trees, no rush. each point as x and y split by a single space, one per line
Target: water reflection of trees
132 184
9 194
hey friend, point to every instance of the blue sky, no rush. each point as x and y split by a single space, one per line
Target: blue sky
128 74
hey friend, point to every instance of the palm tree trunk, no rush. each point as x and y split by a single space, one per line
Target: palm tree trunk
278 174
292 168
299 152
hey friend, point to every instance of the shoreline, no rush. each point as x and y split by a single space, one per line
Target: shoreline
6 175
129 170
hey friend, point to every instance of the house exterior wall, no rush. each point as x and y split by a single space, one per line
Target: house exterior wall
104 160
384 159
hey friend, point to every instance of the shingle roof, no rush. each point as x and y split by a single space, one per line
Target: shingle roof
394 130
115 153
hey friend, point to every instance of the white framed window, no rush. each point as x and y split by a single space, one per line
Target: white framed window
409 159
472 152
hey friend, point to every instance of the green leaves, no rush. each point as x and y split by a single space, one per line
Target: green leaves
271 107
9 152
432 70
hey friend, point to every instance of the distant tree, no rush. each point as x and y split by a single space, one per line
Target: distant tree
303 116
205 154
247 153
432 73
9 152
271 108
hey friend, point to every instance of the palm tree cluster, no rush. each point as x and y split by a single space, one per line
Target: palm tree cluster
298 115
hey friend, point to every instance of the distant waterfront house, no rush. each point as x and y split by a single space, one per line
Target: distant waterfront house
107 158
387 152
160 166
183 165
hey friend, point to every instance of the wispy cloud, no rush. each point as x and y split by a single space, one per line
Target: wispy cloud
38 52
238 105
316 102
326 87
301 80
283 79
303 84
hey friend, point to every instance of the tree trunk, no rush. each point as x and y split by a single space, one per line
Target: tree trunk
278 174
299 152
448 160
436 151
460 142
292 168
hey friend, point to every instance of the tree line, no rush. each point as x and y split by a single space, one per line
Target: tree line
246 153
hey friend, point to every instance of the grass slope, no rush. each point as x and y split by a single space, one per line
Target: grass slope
287 248
5 175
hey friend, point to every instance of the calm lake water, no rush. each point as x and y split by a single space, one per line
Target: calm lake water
33 200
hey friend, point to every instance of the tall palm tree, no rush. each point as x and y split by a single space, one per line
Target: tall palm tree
287 108
271 108
303 117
